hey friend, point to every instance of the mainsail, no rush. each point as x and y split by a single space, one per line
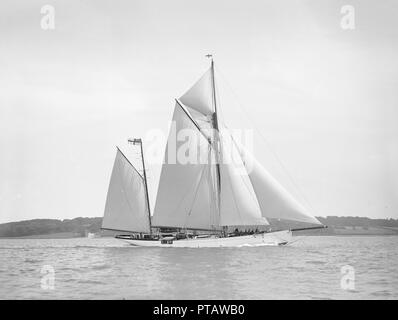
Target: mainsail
126 208
184 197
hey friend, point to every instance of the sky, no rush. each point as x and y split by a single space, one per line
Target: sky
322 99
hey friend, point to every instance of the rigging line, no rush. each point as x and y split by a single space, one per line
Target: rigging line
214 217
298 238
193 121
205 121
218 146
185 196
135 169
233 193
292 181
195 195
121 230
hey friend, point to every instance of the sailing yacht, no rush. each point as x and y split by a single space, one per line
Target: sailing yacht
202 203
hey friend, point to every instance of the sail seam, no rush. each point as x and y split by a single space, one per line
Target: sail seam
253 195
126 198
120 167
195 196
130 163
185 197
233 193
193 121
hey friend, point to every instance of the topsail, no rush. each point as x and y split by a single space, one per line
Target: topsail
199 96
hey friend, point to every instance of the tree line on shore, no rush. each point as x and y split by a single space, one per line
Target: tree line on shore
80 226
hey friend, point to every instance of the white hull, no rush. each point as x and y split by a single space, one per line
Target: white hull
263 239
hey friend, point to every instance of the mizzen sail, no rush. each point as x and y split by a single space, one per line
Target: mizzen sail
126 207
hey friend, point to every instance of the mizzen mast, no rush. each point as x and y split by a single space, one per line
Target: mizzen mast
139 142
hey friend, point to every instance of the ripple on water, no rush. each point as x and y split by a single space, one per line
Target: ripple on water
316 262
106 268
381 294
88 281
101 266
27 260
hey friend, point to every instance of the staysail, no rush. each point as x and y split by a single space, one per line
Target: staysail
239 205
126 207
275 201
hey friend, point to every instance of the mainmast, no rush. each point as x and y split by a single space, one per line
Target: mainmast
217 145
213 83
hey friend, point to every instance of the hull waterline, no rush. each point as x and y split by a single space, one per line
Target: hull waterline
262 239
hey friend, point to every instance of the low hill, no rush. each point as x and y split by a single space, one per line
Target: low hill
345 226
80 226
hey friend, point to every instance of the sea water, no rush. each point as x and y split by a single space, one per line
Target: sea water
313 267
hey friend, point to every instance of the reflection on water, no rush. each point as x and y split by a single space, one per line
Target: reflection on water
107 268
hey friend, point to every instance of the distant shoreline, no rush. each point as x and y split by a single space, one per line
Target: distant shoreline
301 235
349 231
81 227
372 233
61 235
